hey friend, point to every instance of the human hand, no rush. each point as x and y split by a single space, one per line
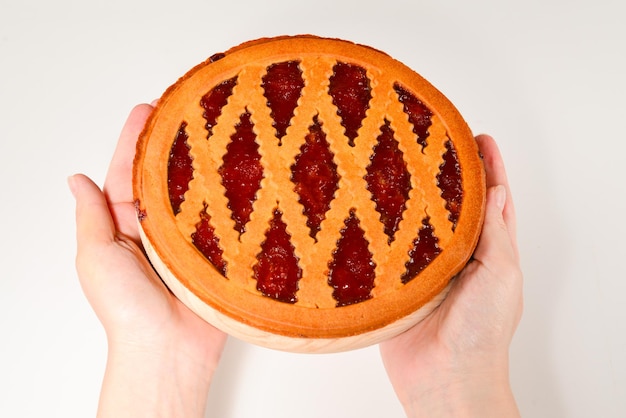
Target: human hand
161 355
455 362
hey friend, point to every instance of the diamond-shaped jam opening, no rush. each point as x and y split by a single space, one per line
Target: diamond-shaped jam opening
214 101
388 180
351 271
207 242
425 249
277 272
449 181
179 169
315 176
242 172
419 115
282 85
351 93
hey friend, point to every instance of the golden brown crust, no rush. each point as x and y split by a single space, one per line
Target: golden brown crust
236 296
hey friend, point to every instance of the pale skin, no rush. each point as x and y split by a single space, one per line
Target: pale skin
455 363
161 356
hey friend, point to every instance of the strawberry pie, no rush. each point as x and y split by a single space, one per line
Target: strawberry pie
308 194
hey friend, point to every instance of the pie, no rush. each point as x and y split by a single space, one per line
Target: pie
308 194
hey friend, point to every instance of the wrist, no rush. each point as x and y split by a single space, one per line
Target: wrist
167 381
462 393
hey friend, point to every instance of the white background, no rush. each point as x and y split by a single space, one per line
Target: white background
546 78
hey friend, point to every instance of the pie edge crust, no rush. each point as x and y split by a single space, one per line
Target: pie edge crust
235 317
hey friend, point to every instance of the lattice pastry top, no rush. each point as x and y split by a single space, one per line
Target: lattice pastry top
308 194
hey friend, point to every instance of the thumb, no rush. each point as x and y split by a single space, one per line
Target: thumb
94 223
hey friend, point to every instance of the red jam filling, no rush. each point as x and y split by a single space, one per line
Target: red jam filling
215 100
141 213
242 172
217 57
277 271
388 180
449 181
352 269
208 243
315 176
179 169
282 84
351 92
425 249
419 115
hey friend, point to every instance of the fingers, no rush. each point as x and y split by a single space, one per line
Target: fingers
495 245
93 219
118 183
497 254
496 175
492 159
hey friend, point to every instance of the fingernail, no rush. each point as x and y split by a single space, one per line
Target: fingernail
500 196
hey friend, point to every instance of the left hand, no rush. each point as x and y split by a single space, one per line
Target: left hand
138 312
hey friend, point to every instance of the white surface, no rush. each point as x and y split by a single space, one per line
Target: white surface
546 78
